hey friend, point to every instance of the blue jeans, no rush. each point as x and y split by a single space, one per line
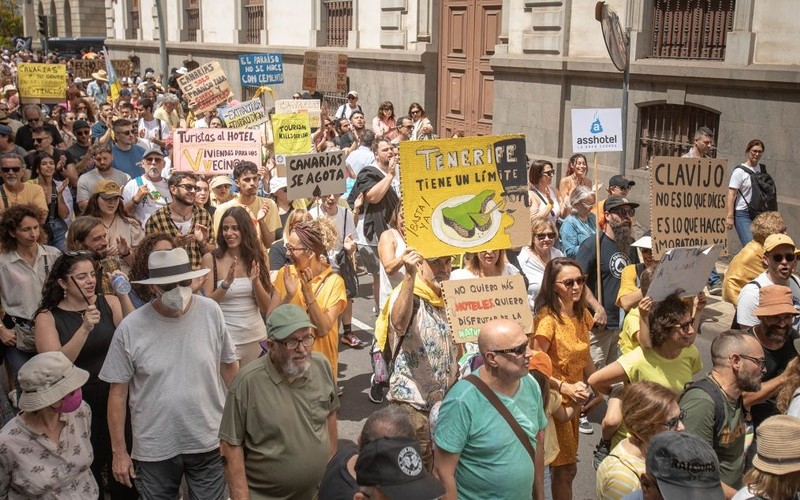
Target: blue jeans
162 480
714 278
741 221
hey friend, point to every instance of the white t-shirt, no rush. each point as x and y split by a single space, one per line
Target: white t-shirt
740 180
150 203
154 129
751 294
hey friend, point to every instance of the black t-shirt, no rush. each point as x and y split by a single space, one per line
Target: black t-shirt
337 483
612 262
24 136
776 364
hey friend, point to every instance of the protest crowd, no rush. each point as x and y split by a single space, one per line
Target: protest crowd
171 320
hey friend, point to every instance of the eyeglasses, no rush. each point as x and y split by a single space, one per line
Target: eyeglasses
38 139
756 151
685 326
780 257
520 350
543 236
624 212
10 169
292 249
293 344
83 133
761 362
153 159
125 132
190 188
672 423
548 172
571 282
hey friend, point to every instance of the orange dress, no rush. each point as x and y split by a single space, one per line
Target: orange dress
569 352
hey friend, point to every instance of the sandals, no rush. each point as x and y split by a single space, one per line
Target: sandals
351 340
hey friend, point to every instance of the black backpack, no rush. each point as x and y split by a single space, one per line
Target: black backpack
707 386
764 195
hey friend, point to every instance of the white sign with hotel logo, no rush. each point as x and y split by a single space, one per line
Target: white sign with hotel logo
597 130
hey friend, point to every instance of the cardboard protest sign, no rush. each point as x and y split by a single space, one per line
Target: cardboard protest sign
83 68
42 81
249 114
325 71
472 303
309 106
256 70
315 174
123 67
684 269
465 195
597 130
687 199
212 151
205 88
291 134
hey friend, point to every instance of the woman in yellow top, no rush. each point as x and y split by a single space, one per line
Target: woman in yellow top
561 327
311 284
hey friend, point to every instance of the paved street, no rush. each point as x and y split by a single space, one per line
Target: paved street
355 370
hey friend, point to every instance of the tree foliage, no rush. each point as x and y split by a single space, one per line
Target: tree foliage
10 22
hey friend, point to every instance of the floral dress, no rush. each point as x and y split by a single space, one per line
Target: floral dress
569 352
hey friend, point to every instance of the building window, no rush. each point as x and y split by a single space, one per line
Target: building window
691 29
668 130
254 14
192 20
133 25
339 21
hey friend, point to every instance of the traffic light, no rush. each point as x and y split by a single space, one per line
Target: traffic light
43 25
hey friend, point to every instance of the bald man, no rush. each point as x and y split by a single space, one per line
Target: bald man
474 443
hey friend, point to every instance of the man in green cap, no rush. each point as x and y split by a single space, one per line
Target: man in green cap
278 428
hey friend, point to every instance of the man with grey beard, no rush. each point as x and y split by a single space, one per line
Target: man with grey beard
278 428
615 253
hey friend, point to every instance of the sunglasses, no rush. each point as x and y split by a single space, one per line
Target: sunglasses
152 159
780 257
624 212
571 282
82 133
190 188
548 173
672 423
38 139
11 169
125 132
543 236
520 350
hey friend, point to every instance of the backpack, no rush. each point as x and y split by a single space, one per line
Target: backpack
704 384
763 195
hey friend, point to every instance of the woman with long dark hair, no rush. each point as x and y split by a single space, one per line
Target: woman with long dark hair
545 201
422 127
73 319
562 324
123 231
240 282
57 196
385 123
575 176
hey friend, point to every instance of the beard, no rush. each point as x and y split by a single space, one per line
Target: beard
296 369
623 236
748 384
777 334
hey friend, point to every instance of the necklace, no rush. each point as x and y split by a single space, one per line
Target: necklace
113 221
714 379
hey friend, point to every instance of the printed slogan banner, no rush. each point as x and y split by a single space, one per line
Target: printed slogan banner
472 303
213 151
42 81
205 88
325 71
597 130
684 269
256 70
249 114
465 195
688 198
308 106
291 134
315 174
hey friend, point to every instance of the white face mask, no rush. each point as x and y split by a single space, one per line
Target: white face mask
177 299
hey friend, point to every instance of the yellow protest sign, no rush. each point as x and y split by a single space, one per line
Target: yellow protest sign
465 195
42 81
291 133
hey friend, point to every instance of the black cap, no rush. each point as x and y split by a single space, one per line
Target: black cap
395 466
684 467
79 124
617 201
620 181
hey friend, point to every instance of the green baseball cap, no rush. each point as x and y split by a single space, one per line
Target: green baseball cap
287 319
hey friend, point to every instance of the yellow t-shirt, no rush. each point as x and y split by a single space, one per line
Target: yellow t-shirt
330 291
270 222
630 327
627 282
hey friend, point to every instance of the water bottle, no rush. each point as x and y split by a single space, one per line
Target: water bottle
120 284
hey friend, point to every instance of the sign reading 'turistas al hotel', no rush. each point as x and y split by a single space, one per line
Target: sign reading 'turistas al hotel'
597 130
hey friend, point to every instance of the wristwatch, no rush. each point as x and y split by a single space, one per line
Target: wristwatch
224 285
